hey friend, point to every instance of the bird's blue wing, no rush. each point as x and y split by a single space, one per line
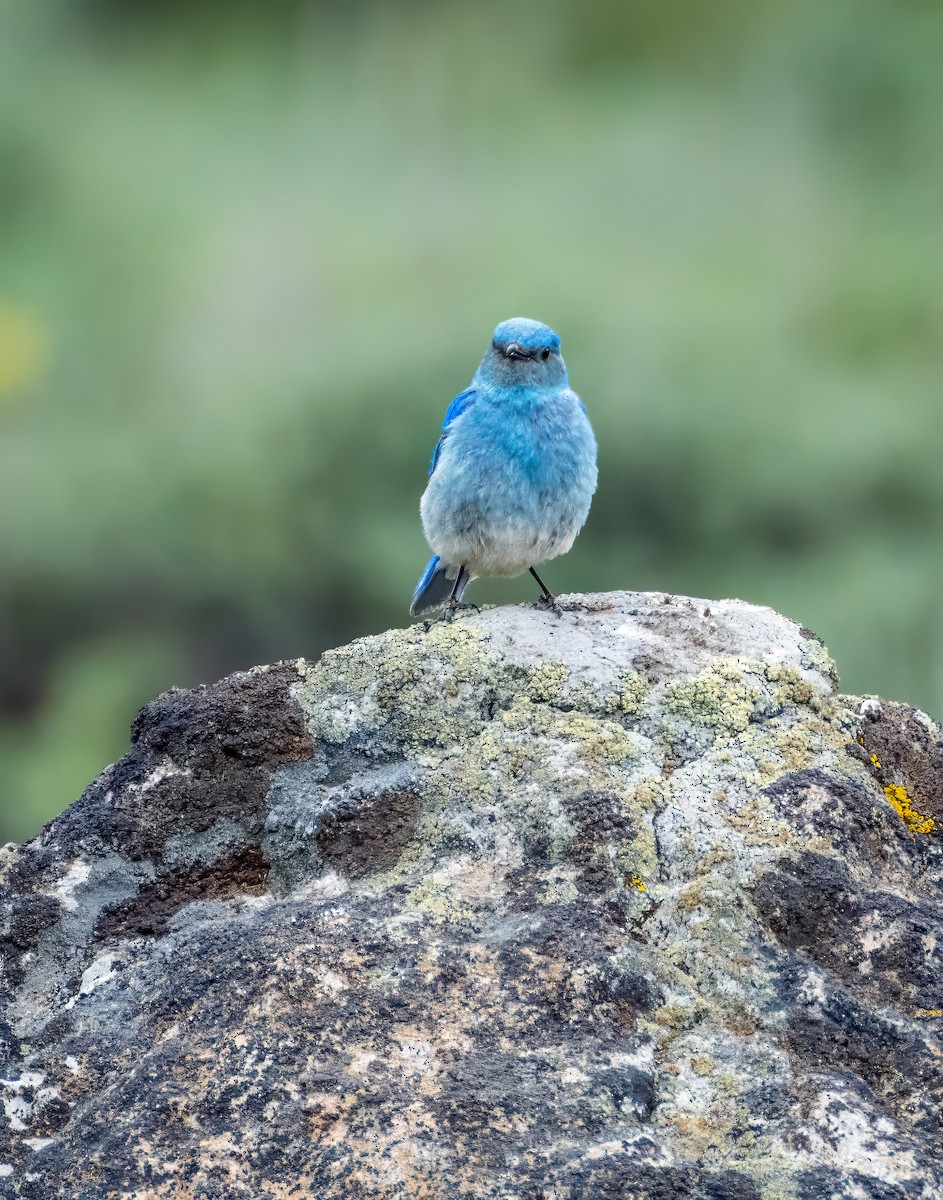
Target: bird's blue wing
461 402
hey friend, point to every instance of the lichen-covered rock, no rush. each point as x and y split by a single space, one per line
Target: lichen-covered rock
621 903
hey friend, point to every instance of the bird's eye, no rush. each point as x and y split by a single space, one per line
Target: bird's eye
544 354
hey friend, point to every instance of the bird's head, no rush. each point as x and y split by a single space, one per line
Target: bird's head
523 353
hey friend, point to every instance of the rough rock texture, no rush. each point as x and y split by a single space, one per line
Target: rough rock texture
624 903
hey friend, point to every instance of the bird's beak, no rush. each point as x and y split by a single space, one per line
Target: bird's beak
514 350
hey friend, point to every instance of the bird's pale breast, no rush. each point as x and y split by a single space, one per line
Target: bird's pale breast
513 484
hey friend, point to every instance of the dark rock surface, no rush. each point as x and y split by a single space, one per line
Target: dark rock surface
625 903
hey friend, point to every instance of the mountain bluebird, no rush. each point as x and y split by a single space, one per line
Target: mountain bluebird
513 471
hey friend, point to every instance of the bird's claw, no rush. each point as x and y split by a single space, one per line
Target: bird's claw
450 612
549 603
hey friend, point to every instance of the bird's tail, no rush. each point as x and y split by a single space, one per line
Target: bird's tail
437 586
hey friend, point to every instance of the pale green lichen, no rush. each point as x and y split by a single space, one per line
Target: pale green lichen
651 794
428 683
674 1016
437 898
789 687
512 767
9 852
815 657
723 697
600 742
629 696
560 889
597 741
786 743
546 681
636 859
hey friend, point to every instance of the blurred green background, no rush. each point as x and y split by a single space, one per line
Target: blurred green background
249 252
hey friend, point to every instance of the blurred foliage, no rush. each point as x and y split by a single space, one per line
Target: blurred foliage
249 252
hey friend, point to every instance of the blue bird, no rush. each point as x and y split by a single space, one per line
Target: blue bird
513 472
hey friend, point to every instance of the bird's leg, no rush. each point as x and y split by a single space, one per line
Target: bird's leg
547 598
454 604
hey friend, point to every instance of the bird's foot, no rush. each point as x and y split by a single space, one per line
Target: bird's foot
450 612
460 606
549 603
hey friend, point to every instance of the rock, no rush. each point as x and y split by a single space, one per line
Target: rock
619 903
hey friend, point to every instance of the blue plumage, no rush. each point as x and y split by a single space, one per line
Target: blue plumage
513 472
438 582
455 409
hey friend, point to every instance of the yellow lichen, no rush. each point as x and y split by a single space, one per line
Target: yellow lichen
903 805
637 882
925 1014
875 760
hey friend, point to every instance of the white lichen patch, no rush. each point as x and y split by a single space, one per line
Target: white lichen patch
76 875
18 1107
38 1143
874 934
816 658
101 971
853 1139
164 770
415 1055
636 1145
327 886
340 715
330 983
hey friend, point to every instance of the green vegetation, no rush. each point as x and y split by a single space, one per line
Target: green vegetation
249 252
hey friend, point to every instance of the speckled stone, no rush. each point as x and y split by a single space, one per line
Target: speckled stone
622 903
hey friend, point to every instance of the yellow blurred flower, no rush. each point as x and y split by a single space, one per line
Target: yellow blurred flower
24 350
